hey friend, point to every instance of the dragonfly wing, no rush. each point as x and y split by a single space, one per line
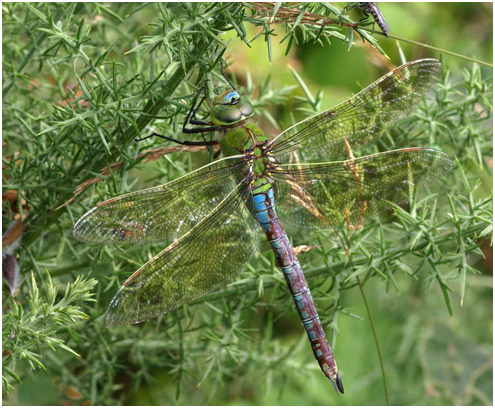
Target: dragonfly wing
206 257
361 119
159 213
334 194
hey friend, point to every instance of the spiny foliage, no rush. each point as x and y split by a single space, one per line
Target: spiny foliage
81 81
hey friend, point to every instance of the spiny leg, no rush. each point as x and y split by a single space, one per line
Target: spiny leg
191 119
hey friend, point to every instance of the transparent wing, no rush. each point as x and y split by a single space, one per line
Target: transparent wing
206 257
361 119
159 213
330 195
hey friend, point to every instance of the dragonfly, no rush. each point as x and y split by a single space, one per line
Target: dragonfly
214 215
371 8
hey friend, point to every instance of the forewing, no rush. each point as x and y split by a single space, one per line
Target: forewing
159 213
335 194
203 259
361 119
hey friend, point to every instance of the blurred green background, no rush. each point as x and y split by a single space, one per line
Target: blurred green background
429 357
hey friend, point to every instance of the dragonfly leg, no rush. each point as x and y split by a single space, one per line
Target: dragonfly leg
191 119
184 143
365 19
191 116
217 153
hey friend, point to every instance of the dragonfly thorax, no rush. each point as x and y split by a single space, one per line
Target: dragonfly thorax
249 140
259 162
242 139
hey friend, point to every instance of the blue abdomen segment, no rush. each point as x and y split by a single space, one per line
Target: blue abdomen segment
263 202
264 212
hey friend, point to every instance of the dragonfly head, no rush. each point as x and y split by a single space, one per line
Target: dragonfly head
230 108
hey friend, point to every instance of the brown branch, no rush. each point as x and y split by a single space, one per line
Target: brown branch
288 15
149 155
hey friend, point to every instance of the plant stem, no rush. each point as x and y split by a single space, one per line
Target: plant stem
380 357
430 47
346 246
454 54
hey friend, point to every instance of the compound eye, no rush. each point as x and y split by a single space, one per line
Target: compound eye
245 107
227 115
231 98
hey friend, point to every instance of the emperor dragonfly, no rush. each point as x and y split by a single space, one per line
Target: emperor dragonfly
216 211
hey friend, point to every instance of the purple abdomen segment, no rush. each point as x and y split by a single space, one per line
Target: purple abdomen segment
265 214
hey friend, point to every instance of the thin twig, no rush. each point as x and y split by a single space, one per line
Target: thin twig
375 336
370 315
441 50
150 155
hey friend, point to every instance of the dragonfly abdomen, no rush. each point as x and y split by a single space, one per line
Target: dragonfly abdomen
265 214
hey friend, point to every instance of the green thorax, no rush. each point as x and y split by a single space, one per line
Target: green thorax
236 140
248 139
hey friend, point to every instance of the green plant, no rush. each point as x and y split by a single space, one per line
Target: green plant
80 82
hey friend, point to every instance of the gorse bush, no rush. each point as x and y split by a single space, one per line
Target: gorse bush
81 81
